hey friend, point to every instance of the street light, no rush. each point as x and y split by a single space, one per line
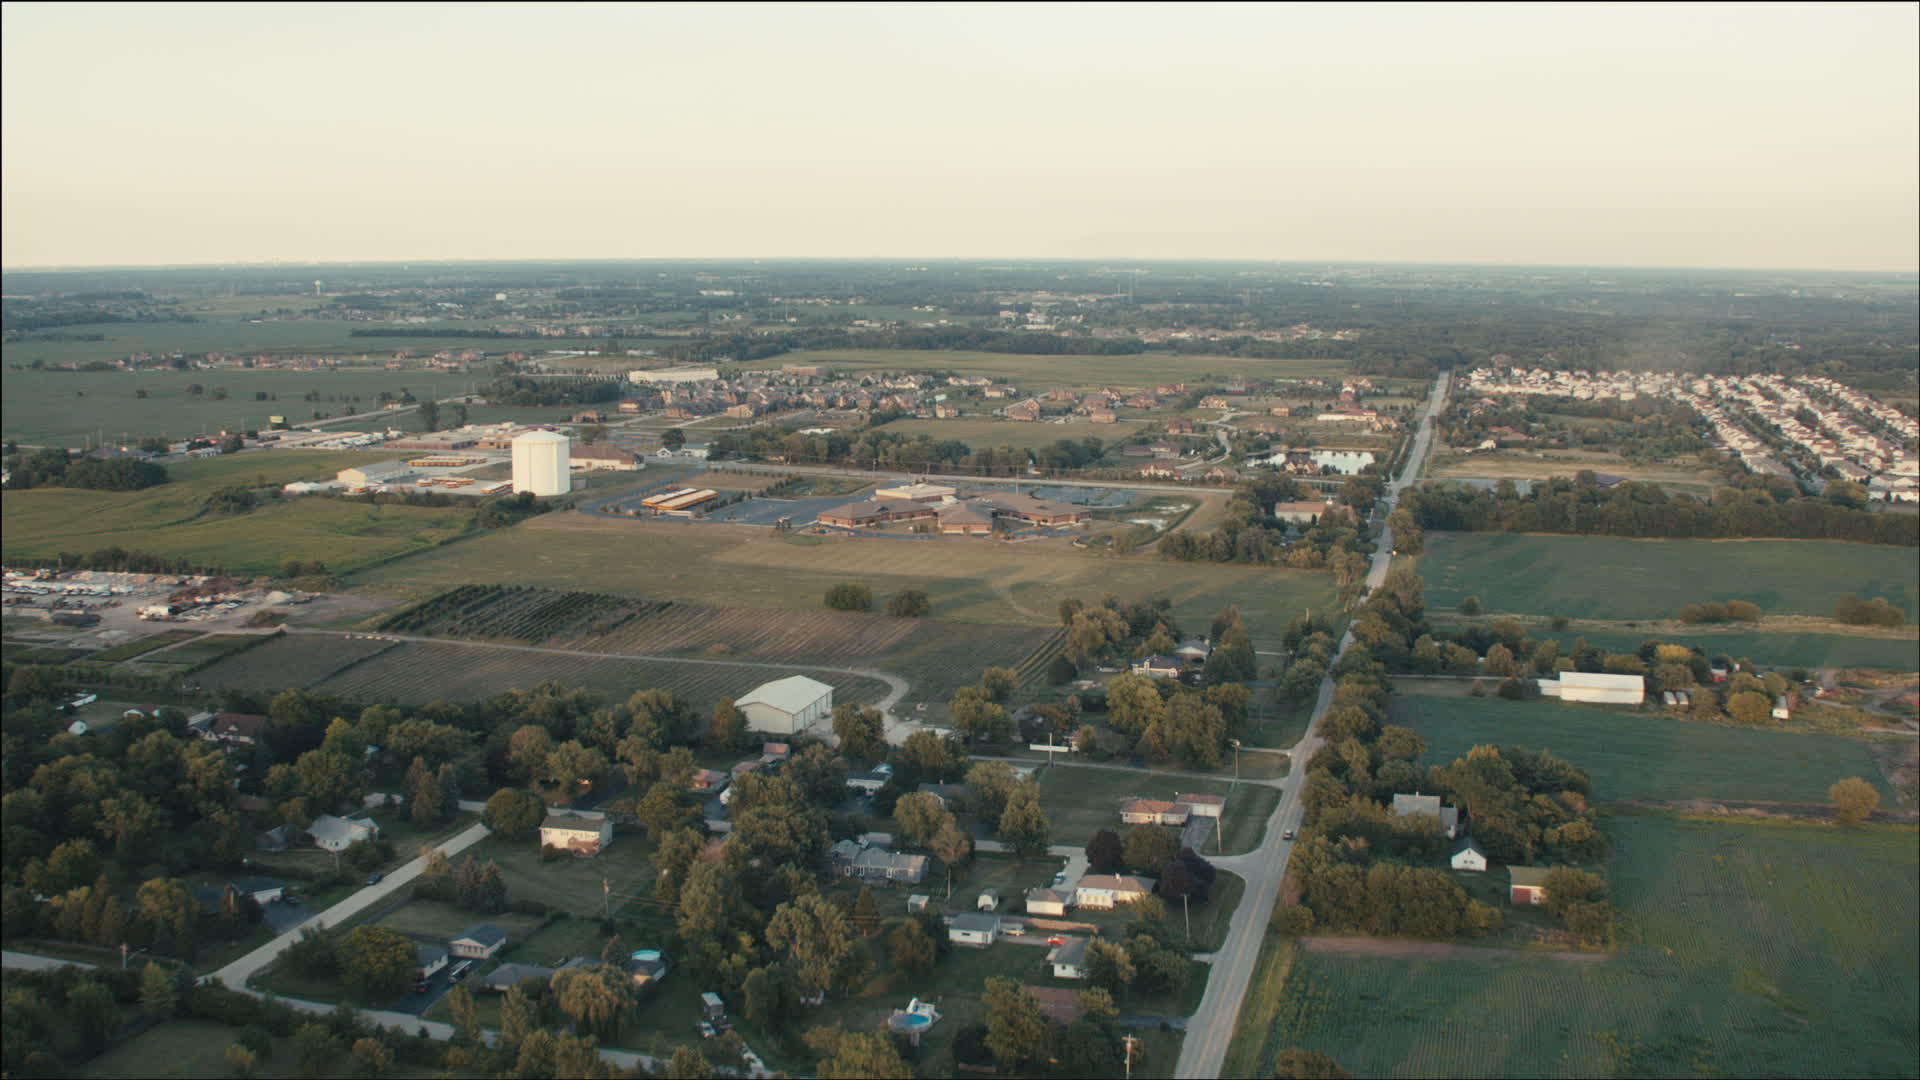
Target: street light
1236 759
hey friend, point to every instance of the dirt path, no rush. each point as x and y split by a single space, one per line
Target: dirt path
1402 949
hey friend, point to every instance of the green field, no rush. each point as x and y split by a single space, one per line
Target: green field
985 432
1081 801
1750 950
417 674
68 408
968 579
1652 756
290 660
1773 650
169 519
1604 577
1143 369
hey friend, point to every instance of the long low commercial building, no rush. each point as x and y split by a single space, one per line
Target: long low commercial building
974 516
679 500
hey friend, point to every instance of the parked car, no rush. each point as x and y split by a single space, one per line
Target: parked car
375 878
1056 940
706 1030
1288 835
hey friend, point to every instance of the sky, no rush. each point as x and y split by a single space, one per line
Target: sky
1724 135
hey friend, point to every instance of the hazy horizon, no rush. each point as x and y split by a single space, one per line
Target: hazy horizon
1706 137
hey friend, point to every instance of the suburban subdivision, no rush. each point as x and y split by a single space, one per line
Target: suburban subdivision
553 670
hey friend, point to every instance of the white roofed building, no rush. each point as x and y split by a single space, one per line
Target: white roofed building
787 706
1595 688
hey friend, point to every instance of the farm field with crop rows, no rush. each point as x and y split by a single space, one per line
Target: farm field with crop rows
1748 950
1644 756
418 673
288 661
1606 577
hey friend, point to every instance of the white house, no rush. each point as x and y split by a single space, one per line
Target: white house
428 959
480 942
1154 812
262 890
1469 857
1107 890
1070 960
974 928
1406 805
338 834
1595 688
1048 901
582 834
1207 806
787 706
871 780
1157 667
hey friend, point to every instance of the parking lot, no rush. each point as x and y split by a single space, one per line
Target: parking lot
768 511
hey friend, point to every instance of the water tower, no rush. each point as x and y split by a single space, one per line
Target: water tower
540 461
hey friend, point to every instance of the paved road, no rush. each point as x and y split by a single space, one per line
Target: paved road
897 687
1205 1051
1136 770
236 974
29 962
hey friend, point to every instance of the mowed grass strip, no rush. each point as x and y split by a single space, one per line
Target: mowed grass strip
1750 950
1080 801
1605 577
1644 756
1772 650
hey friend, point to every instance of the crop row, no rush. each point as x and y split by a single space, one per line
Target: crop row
824 637
514 612
290 662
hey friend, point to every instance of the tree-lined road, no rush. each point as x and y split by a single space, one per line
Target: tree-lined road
1211 1030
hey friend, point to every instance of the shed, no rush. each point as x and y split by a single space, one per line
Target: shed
787 706
989 900
973 928
1469 857
1048 901
1527 885
918 902
1070 959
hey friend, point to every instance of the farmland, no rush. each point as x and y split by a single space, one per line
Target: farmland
418 673
170 519
1750 950
986 433
1144 369
1603 577
1773 650
1644 756
968 580
68 407
1692 479
288 661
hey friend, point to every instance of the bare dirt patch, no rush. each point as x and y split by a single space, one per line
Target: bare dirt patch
1403 949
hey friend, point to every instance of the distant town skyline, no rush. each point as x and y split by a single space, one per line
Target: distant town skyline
1681 136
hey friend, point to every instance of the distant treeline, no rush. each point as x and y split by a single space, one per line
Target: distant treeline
519 390
1645 510
434 332
118 560
51 467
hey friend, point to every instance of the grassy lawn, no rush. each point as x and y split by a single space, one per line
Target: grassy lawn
1748 950
1249 1050
1771 650
1644 756
1604 577
1082 801
432 918
1213 919
1245 821
570 884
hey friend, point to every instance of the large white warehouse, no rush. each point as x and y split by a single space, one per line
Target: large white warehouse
1596 688
540 460
787 706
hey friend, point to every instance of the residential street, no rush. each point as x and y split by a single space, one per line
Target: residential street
1211 1029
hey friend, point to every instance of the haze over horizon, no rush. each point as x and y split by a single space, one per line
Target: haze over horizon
1723 137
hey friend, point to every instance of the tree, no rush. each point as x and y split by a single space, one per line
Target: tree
1750 708
673 438
919 815
992 783
1108 966
91 1014
1105 854
1297 1064
516 1017
1098 1002
377 963
729 727
909 604
910 948
1147 848
845 1056
597 998
999 683
241 1060
513 812
850 596
156 990
1016 1030
1023 825
1854 800
466 1014
952 846
665 809
314 1047
1470 606
371 1057
687 1064
861 732
816 939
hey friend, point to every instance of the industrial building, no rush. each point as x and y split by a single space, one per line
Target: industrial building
679 500
540 460
787 706
1595 688
365 476
602 456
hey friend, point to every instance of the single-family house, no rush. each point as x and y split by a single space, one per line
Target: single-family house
1157 667
1070 960
583 834
1107 890
879 865
241 728
338 834
428 960
1153 812
1527 885
871 780
507 976
989 900
1048 901
1302 512
1469 857
261 890
1206 806
973 928
278 838
481 942
918 902
646 967
787 706
1407 805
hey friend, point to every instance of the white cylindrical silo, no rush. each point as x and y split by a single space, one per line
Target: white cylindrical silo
540 462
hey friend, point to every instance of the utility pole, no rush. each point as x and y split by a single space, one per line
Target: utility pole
1186 906
1129 1041
606 899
